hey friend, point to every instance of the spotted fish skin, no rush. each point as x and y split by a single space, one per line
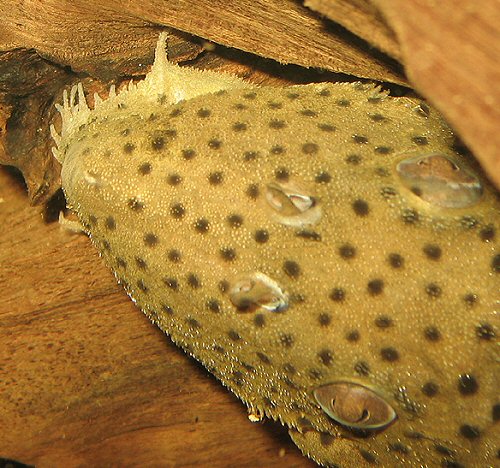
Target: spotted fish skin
269 233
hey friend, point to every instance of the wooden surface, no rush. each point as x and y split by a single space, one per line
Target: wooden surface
87 380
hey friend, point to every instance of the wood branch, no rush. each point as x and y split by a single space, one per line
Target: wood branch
362 18
451 53
84 31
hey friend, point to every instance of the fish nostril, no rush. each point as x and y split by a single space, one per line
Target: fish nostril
292 205
355 406
440 181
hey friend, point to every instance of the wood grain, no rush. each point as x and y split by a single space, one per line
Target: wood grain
90 33
86 380
451 52
362 18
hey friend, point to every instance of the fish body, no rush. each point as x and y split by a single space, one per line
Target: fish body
322 249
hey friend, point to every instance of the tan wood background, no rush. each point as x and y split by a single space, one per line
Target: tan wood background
87 380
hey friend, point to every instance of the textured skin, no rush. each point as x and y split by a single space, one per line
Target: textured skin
174 197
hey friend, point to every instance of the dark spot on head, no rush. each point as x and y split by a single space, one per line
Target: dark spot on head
172 283
202 225
292 96
409 216
188 153
389 354
353 159
282 174
145 168
309 113
324 319
203 113
239 126
309 235
383 149
157 143
360 139
395 260
360 207
337 295
252 191
289 369
235 220
105 245
110 223
213 305
439 448
352 335
432 333
470 299
141 263
362 368
291 268
121 263
259 320
324 92
128 148
263 357
176 112
377 117
383 321
495 412
469 222
223 286
420 140
250 155
261 236
310 148
485 331
469 432
150 239
277 124
375 286
487 234
214 144
286 340
240 106
92 220
430 389
177 210
343 102
174 256
193 281
323 177
278 150
467 384
274 105
325 127
368 456
167 309
228 254
326 357
388 192
495 263
433 290
234 335
174 179
193 323
142 286
326 439
250 96
215 178
432 251
347 251
398 447
315 374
